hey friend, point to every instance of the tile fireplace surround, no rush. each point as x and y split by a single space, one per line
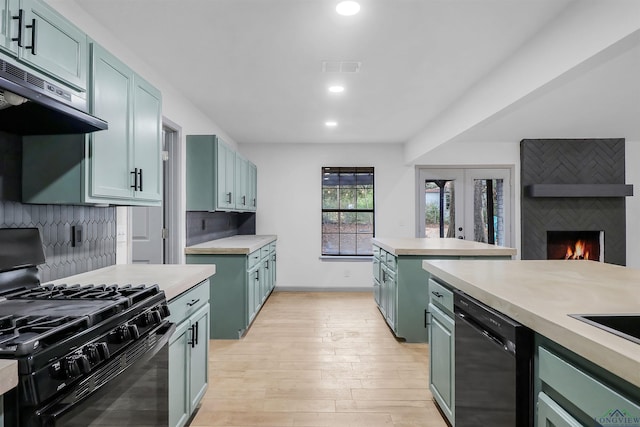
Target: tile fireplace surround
573 185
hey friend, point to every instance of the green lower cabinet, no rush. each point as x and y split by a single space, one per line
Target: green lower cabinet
178 377
188 353
550 414
239 289
573 392
403 292
441 360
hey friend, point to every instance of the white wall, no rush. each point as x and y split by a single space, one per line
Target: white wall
289 200
289 204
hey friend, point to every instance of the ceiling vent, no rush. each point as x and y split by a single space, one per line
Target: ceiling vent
341 66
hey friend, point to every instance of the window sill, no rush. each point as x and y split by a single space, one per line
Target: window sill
349 258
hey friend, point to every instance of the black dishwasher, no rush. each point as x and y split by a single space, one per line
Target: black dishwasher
493 367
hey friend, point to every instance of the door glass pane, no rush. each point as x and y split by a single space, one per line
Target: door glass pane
488 211
439 208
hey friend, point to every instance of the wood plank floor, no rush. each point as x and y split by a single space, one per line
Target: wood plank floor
318 359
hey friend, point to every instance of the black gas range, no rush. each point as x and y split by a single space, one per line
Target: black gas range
70 341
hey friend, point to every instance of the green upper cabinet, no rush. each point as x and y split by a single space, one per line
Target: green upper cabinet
225 176
42 38
147 137
218 178
8 27
253 187
111 100
241 183
127 157
118 166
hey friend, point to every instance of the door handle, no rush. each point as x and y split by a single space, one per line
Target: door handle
20 19
135 179
229 197
140 185
33 27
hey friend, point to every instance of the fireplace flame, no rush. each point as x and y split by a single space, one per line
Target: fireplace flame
577 252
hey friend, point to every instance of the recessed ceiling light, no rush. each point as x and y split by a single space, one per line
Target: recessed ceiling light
331 124
348 8
336 89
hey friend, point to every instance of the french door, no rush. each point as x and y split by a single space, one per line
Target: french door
465 203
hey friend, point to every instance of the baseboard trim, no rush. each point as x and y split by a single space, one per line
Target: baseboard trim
323 289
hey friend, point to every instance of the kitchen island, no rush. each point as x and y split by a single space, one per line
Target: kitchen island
398 277
245 277
582 372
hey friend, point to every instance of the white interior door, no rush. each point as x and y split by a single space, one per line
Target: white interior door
465 203
146 235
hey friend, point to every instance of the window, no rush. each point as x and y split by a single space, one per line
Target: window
347 211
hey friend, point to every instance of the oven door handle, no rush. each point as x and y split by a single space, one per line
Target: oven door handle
50 414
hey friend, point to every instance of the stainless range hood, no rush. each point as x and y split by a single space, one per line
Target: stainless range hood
30 105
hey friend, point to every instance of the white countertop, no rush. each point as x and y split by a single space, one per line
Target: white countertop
8 375
437 246
173 279
541 294
234 245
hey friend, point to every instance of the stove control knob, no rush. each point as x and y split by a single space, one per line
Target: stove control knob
144 319
76 365
120 334
83 364
164 310
92 354
157 317
71 368
133 332
103 349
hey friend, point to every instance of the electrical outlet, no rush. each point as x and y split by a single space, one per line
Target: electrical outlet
76 235
347 273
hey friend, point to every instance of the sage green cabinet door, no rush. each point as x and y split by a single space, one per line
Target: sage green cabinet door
147 137
53 44
252 196
240 183
8 25
199 356
110 162
550 414
225 176
253 292
179 401
441 360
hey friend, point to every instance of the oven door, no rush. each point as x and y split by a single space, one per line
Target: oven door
135 396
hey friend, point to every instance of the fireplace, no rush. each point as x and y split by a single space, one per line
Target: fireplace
573 184
575 245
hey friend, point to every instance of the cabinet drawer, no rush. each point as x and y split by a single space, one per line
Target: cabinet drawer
376 269
272 247
376 251
264 251
189 302
581 389
253 259
440 296
391 261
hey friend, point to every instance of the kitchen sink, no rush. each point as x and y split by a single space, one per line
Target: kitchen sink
624 325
